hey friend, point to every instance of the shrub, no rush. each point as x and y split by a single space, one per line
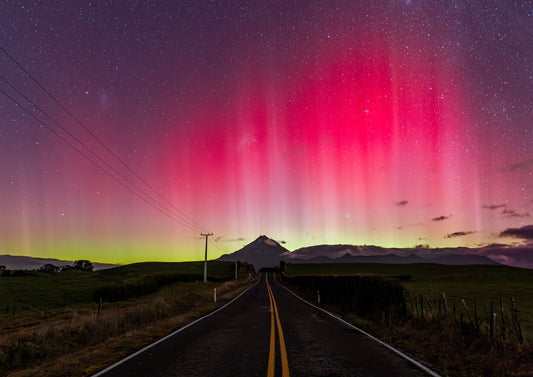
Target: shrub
365 295
150 284
49 268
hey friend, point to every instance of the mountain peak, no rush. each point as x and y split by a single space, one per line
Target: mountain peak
267 240
262 252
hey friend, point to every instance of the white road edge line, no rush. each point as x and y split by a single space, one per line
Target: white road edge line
121 361
398 352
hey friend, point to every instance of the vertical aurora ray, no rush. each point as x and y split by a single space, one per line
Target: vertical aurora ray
395 123
330 154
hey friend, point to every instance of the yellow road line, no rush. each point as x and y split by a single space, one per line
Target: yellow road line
272 351
283 349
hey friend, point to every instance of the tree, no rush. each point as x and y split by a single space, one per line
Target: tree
67 267
49 268
83 265
4 272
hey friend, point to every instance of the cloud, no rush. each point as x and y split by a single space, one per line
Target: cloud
459 234
493 207
507 212
239 239
496 246
410 225
519 165
511 213
525 232
441 218
402 203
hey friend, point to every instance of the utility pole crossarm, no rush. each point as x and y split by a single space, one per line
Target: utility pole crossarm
206 235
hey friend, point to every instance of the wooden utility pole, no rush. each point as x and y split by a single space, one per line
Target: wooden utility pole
205 262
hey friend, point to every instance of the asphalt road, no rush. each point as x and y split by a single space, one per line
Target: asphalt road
267 332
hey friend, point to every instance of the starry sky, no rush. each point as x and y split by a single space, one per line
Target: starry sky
384 122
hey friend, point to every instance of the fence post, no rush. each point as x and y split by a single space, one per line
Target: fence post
466 310
411 302
503 318
492 319
476 319
443 296
514 312
454 316
493 324
430 307
99 308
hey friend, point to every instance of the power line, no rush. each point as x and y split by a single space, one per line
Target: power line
87 148
179 217
220 247
162 210
186 218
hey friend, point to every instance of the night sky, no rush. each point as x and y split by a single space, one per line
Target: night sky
393 123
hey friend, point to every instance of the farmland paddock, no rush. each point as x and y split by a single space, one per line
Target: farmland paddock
462 320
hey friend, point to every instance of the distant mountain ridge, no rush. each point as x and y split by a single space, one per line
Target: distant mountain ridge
265 252
377 254
19 262
451 259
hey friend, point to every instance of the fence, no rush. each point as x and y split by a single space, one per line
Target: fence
499 320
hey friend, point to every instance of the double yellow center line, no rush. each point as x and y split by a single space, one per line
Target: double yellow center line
274 320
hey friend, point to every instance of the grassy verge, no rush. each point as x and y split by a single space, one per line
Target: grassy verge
74 341
49 291
453 347
482 284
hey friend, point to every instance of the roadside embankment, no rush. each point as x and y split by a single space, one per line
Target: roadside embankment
78 340
441 336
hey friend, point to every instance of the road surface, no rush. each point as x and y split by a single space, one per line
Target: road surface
267 332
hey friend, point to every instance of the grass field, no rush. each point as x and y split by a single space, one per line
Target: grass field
60 332
481 284
73 287
450 344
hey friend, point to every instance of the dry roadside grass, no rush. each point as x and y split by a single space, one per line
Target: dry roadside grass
75 342
454 351
443 345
